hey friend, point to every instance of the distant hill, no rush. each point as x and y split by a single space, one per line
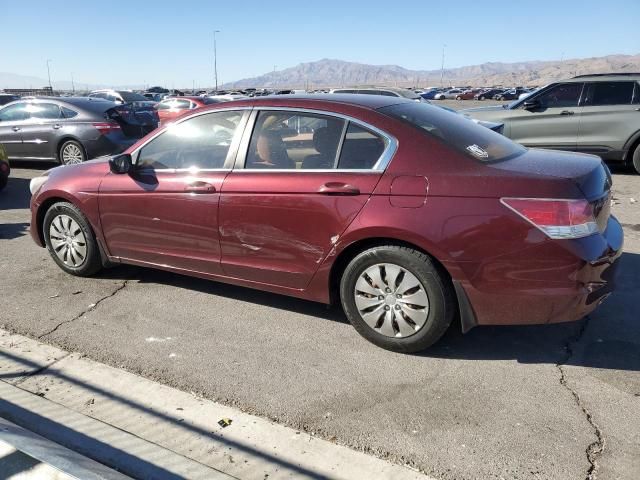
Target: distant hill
338 73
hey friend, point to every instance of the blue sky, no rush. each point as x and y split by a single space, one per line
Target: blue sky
171 42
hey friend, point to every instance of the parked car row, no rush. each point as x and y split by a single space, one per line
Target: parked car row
475 93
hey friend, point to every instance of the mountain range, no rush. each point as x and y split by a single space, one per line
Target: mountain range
338 73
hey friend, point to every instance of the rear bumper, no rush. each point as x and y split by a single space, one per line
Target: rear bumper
557 292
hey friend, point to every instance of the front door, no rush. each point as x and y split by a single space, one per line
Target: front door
305 178
554 123
41 131
13 118
165 212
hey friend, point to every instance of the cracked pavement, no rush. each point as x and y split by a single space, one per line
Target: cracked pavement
545 402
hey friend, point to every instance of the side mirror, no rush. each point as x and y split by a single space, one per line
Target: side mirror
531 104
121 163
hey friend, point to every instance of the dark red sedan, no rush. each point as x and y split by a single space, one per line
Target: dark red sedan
406 214
171 108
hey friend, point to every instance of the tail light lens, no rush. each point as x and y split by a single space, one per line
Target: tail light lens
559 219
106 127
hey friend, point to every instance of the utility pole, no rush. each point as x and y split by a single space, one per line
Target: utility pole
49 75
442 68
73 85
215 58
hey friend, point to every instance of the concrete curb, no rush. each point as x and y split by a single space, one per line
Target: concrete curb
166 428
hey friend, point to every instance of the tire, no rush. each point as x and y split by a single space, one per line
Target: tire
636 158
71 153
3 181
414 273
481 97
458 97
70 240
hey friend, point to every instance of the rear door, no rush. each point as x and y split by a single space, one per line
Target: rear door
610 116
554 124
41 131
13 118
165 212
300 179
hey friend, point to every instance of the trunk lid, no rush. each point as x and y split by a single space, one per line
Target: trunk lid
136 119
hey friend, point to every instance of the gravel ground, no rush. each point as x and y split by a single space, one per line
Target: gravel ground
544 402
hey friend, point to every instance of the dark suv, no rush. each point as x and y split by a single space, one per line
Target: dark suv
598 114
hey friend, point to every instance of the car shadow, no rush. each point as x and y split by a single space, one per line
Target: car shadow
16 194
9 231
527 344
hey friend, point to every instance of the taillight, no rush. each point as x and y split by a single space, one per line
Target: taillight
559 219
106 127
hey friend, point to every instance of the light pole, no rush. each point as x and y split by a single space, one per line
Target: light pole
215 58
442 68
73 85
49 75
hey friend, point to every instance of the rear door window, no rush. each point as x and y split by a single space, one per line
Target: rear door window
361 149
45 111
609 93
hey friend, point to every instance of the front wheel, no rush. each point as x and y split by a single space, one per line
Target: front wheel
70 240
458 97
397 298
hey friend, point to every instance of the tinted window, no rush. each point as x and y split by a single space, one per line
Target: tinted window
14 112
182 104
610 93
44 110
209 100
361 148
291 140
457 131
200 142
561 95
68 113
132 97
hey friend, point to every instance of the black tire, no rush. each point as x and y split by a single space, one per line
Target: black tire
91 262
636 159
74 146
458 97
481 97
438 289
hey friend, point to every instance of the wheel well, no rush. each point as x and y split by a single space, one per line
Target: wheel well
356 248
634 145
42 211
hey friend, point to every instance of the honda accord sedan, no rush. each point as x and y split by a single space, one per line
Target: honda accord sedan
407 215
72 130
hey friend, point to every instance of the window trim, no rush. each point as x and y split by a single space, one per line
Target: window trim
391 144
233 147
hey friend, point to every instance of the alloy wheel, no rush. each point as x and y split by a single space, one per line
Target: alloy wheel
68 241
72 154
391 300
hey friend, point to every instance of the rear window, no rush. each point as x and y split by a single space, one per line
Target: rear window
457 131
133 97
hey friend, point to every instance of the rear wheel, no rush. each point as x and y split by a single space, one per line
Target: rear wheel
458 97
70 240
397 298
636 158
71 152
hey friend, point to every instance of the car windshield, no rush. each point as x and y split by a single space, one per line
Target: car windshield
133 97
467 137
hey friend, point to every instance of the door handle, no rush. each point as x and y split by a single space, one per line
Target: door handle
57 126
338 188
566 112
16 129
199 187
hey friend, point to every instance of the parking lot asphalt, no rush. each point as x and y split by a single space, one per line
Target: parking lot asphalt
543 402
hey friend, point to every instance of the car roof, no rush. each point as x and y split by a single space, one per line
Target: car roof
372 102
603 77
